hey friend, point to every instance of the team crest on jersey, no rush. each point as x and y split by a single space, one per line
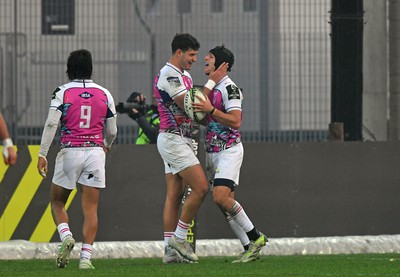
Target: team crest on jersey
174 81
85 95
233 92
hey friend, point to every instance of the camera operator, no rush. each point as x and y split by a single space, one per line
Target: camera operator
145 115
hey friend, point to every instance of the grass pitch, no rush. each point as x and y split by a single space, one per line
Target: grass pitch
313 265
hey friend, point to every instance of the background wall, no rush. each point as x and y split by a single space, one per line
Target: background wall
282 57
288 190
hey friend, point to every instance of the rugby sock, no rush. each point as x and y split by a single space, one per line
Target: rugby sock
253 234
240 234
240 217
64 231
86 251
167 236
182 230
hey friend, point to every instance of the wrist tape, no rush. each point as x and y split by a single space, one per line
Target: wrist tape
8 143
210 84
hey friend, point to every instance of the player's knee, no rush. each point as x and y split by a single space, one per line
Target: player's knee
199 187
202 190
219 198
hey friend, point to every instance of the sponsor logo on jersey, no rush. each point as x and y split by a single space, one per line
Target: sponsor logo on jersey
85 95
174 81
233 92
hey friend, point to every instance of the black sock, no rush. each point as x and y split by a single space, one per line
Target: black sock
253 234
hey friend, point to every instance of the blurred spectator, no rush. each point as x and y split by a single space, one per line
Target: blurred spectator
146 116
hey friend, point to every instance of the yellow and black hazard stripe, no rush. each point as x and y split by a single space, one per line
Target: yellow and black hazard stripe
24 212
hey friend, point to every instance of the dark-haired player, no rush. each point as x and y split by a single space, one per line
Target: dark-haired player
224 152
175 146
86 111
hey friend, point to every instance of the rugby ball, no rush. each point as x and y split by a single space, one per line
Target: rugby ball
191 98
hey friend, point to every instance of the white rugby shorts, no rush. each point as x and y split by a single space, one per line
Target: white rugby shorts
176 151
82 165
225 164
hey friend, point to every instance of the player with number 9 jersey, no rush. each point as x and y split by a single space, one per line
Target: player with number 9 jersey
86 111
84 107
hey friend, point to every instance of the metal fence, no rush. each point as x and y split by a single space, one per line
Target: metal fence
282 57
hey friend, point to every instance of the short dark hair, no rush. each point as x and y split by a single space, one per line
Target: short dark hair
79 65
223 54
184 42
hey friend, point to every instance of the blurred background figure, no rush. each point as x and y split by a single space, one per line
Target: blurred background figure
145 115
9 154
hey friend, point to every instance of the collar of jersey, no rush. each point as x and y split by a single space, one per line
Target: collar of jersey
83 80
175 68
223 79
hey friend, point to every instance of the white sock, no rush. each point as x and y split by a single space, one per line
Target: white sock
86 251
64 231
240 217
182 230
167 236
240 234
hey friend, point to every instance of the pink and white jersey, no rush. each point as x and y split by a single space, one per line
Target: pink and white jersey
170 83
225 96
85 106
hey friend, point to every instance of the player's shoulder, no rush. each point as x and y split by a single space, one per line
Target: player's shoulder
169 71
229 87
169 76
64 87
92 84
226 83
59 91
98 86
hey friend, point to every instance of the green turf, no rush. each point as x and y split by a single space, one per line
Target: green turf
315 265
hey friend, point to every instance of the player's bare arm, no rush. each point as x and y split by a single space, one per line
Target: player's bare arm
9 154
231 119
179 101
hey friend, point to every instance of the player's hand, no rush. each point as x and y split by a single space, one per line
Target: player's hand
42 166
9 156
217 74
203 105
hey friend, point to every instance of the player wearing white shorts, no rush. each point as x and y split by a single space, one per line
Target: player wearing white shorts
85 110
224 152
174 144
